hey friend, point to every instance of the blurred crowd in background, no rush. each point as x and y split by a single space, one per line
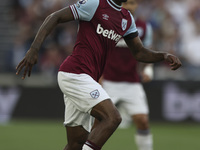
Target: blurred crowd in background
176 26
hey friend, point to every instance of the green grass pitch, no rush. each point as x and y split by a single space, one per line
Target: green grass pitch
51 135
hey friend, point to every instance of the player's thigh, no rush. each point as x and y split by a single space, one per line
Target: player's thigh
135 102
82 90
76 136
113 89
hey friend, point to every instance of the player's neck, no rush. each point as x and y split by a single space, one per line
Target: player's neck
118 2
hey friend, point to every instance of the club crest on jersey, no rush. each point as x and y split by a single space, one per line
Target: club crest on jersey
95 94
124 24
80 2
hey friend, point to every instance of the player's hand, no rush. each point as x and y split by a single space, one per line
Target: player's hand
173 61
27 62
145 78
147 73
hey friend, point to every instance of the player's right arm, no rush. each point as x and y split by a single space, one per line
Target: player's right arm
60 16
31 57
82 10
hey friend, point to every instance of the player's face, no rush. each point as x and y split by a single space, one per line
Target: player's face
131 5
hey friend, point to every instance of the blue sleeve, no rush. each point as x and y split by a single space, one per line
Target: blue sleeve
148 39
84 9
132 28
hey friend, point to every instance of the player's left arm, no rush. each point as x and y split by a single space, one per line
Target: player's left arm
146 55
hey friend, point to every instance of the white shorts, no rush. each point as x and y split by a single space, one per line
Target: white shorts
81 94
130 96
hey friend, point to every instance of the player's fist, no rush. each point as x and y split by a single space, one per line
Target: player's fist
173 61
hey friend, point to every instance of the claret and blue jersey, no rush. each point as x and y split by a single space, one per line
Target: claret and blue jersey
102 24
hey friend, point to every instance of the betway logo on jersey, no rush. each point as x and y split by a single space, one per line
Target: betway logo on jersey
110 34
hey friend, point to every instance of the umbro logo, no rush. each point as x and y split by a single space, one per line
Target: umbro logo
105 16
95 94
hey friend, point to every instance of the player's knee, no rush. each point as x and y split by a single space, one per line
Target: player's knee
141 121
115 119
144 123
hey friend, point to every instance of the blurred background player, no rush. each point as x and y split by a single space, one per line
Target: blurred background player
122 80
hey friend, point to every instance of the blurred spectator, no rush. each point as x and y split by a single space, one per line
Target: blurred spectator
19 47
51 60
66 37
191 42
